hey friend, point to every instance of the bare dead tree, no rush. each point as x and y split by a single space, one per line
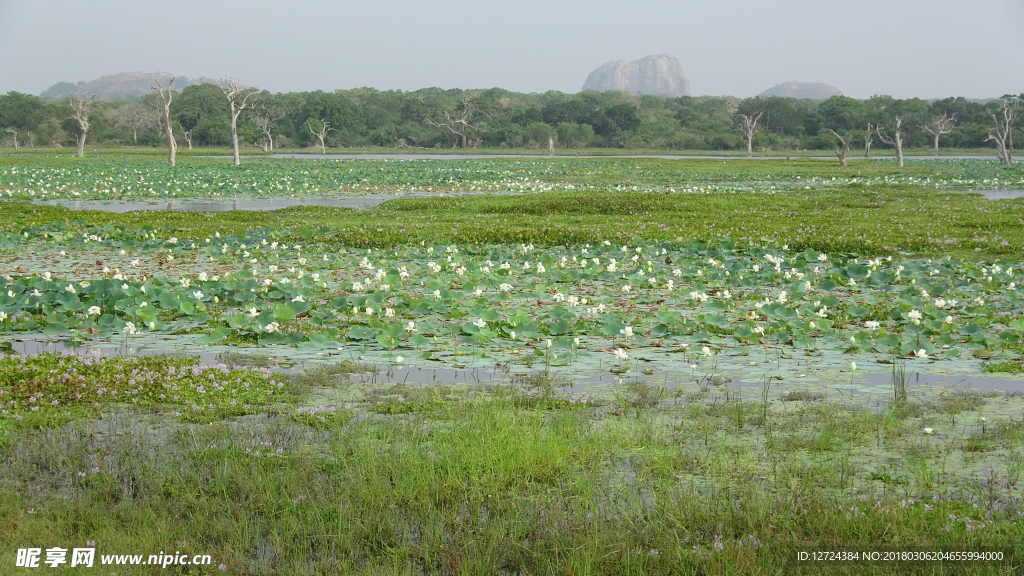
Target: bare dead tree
263 117
233 91
187 135
14 136
1003 133
867 142
30 139
938 126
325 127
896 141
133 116
749 128
460 120
165 98
844 146
81 109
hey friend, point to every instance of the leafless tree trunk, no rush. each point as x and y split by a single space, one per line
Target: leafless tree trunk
30 140
461 121
1003 134
896 141
867 142
14 137
81 109
325 127
264 117
233 91
940 125
165 98
844 146
188 138
749 128
133 116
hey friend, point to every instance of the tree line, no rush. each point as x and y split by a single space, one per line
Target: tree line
432 118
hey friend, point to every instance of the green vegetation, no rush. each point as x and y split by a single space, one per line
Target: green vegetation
531 366
505 120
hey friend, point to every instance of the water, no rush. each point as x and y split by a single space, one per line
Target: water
259 204
924 383
998 194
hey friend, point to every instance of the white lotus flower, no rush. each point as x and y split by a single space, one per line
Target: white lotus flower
621 354
94 311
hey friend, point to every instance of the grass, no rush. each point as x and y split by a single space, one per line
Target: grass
480 484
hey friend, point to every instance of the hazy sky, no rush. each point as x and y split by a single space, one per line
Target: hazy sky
926 48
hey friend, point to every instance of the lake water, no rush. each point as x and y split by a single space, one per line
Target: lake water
257 204
357 202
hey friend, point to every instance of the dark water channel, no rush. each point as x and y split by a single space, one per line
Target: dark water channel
228 204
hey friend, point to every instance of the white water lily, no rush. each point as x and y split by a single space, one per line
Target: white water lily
298 298
512 334
94 311
921 353
928 430
389 312
198 294
70 288
621 354
627 331
152 325
871 325
853 366
254 312
399 359
272 327
705 351
411 326
949 319
480 323
914 315
3 316
129 328
548 343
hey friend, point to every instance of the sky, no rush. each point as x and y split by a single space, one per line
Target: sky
905 48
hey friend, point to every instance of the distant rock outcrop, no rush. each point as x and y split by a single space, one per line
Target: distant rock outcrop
661 74
120 85
810 90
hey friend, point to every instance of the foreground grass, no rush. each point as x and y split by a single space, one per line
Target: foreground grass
499 483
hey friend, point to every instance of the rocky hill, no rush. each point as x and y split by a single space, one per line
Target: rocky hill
660 74
811 90
120 85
